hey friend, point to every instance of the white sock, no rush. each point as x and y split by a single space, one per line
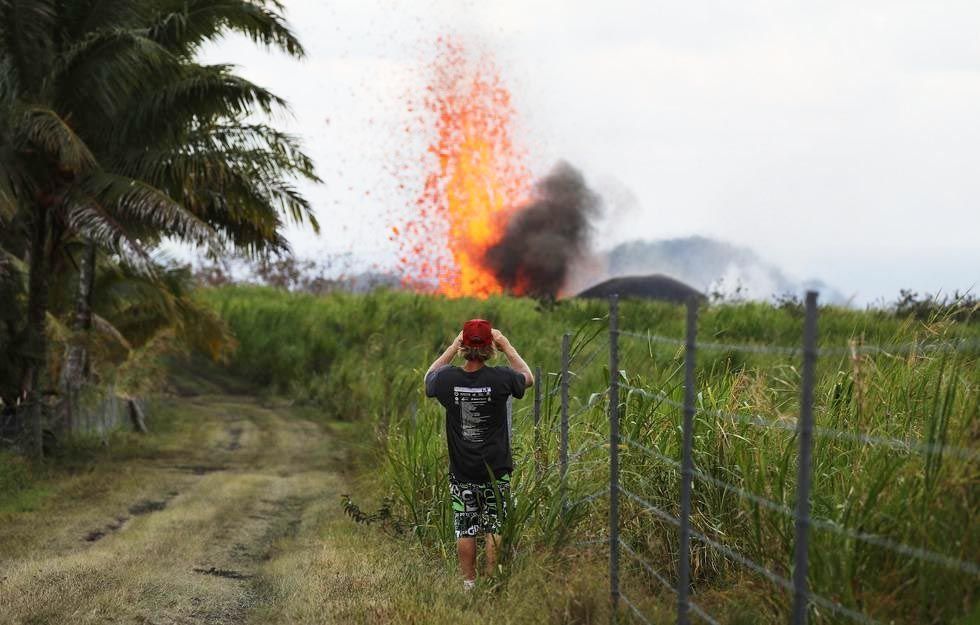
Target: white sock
469 584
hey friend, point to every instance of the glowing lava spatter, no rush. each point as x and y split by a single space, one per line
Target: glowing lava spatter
475 177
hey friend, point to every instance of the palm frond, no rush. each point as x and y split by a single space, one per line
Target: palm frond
8 194
84 215
27 31
13 273
10 159
185 26
104 327
209 155
201 93
254 232
291 202
83 17
132 200
139 306
284 148
98 74
46 129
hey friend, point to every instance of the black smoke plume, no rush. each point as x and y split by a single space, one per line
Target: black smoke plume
544 238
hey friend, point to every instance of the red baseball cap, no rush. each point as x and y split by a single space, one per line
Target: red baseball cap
477 333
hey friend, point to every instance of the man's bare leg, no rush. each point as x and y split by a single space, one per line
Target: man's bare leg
466 550
493 542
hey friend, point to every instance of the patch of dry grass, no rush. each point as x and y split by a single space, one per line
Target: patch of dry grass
347 573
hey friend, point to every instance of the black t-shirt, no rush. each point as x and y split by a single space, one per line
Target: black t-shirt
478 418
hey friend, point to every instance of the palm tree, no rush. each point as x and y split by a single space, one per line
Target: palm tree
113 135
186 135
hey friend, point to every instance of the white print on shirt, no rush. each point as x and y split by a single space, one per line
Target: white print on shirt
469 401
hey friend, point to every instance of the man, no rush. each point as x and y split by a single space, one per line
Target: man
477 399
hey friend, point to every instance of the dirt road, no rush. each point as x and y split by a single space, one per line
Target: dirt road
182 537
230 512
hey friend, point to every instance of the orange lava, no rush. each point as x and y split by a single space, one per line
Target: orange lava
475 176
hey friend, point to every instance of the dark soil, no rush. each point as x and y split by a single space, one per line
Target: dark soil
226 573
146 506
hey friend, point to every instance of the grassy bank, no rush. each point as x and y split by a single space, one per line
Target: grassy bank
361 358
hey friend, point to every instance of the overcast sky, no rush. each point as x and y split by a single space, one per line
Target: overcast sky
839 140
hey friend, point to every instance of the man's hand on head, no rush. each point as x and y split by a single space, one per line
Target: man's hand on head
516 362
499 340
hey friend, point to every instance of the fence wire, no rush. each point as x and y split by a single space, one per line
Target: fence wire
593 402
591 498
825 524
660 578
772 576
955 345
964 453
600 349
636 611
744 347
572 458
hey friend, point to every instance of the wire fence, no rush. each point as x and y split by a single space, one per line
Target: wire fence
803 598
899 349
897 444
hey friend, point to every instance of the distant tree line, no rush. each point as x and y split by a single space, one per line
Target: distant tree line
957 306
328 274
114 138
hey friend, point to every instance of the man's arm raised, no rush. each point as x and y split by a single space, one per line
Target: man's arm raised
516 362
446 357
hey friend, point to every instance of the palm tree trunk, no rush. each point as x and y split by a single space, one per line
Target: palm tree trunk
37 312
75 371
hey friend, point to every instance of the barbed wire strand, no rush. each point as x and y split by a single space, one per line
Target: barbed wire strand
572 458
592 403
744 347
588 463
964 453
874 539
773 577
786 584
956 345
588 361
590 498
584 450
660 578
669 518
635 609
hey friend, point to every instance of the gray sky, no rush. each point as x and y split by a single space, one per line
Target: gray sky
840 140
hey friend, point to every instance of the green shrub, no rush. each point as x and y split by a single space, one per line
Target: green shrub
15 473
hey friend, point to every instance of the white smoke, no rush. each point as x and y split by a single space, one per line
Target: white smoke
711 266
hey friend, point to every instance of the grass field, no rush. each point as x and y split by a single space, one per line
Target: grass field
361 359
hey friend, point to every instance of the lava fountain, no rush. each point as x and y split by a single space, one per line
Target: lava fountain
475 176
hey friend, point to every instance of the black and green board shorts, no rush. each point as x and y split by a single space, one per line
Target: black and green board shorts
479 507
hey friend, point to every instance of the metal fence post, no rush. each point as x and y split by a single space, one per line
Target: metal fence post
801 596
566 340
687 465
614 455
537 422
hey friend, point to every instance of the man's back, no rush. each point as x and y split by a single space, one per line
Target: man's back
478 417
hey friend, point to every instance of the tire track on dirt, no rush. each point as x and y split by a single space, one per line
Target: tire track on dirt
187 555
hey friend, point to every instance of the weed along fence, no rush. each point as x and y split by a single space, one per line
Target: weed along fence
802 506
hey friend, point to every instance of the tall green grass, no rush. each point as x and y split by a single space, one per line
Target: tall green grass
362 358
